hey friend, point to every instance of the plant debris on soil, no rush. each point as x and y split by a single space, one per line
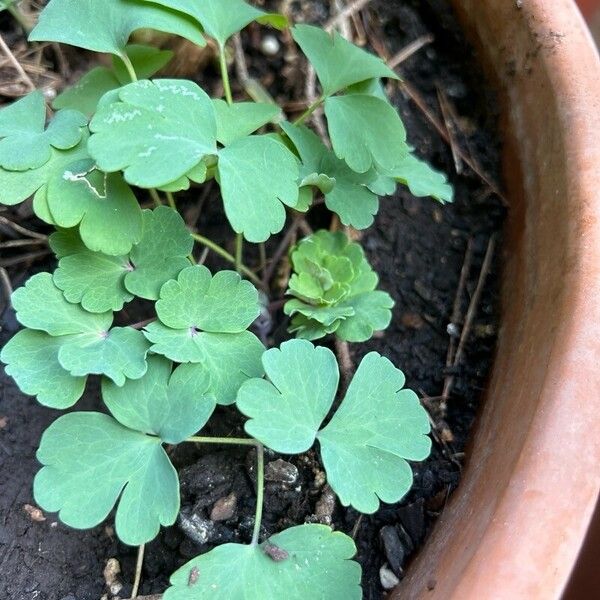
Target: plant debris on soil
442 335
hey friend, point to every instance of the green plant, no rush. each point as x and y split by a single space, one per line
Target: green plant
118 136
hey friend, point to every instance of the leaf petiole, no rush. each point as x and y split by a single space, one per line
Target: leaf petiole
228 257
129 66
309 111
260 473
225 74
239 247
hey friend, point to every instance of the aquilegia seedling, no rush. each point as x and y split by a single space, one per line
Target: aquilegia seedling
118 136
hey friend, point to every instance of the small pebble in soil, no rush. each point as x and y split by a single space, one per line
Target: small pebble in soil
281 471
224 508
387 578
111 574
325 506
196 528
270 45
393 548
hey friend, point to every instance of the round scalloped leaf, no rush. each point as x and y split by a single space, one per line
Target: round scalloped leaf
366 132
239 120
172 405
156 132
223 303
313 561
220 19
103 205
372 311
337 62
91 462
287 411
422 180
31 359
377 428
107 26
257 175
25 144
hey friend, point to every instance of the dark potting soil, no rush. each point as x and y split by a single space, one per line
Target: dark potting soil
418 248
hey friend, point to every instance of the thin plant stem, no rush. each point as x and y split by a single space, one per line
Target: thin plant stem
309 111
260 492
129 66
225 74
155 197
171 200
263 257
138 572
239 249
228 257
19 17
260 473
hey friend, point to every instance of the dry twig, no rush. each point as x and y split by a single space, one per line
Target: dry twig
17 65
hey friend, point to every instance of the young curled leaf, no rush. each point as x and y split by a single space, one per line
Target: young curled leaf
366 444
317 559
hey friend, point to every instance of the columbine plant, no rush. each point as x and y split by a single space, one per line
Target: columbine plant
117 131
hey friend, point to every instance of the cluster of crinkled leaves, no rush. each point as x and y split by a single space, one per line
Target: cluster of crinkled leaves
334 289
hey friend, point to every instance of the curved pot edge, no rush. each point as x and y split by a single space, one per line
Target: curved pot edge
516 523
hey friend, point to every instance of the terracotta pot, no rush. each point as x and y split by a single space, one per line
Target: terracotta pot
589 7
514 527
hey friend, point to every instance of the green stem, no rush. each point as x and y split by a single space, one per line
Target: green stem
225 74
129 66
260 473
260 492
239 248
309 111
228 257
154 195
19 17
171 200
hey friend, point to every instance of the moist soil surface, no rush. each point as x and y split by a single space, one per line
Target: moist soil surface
417 246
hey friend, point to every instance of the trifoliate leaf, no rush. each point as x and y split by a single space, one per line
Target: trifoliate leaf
296 400
91 462
315 562
17 186
31 359
86 93
337 62
203 319
239 120
378 427
334 286
366 132
258 175
107 26
220 19
161 254
24 143
365 445
87 344
422 180
172 405
157 131
103 205
346 193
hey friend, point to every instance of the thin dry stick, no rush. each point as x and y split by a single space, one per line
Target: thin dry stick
281 249
451 129
352 8
6 285
22 243
20 229
471 312
11 262
138 572
409 50
304 227
414 95
342 349
16 64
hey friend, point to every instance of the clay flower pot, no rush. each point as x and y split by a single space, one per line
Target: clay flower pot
514 527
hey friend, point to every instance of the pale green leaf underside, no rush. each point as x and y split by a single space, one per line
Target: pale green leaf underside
258 175
172 406
103 205
366 132
86 93
25 142
220 19
107 26
31 359
337 62
377 428
318 565
422 180
156 132
287 411
91 462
